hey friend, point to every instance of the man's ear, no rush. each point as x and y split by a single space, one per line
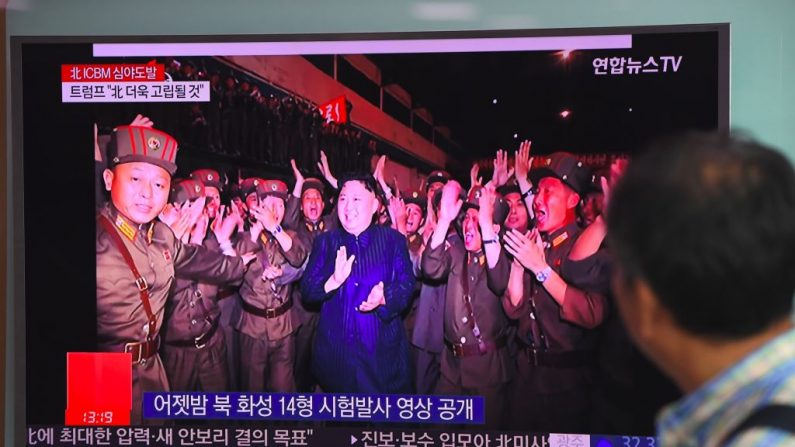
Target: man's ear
107 176
376 205
573 200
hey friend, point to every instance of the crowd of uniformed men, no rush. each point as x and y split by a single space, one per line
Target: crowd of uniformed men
496 290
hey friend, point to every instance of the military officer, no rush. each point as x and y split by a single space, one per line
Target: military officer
194 349
138 257
559 303
267 324
304 213
476 361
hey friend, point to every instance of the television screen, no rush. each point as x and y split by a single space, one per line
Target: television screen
233 240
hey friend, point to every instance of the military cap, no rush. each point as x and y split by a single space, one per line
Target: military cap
416 197
501 207
509 188
142 144
272 188
437 177
209 177
184 190
313 183
249 186
566 168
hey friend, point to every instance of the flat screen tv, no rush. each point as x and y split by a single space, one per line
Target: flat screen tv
245 107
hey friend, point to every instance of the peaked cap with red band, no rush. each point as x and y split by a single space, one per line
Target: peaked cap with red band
143 144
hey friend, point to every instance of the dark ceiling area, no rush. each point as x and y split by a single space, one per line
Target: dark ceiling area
557 101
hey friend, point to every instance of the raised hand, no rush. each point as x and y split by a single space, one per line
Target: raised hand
501 171
486 206
195 210
326 171
225 225
378 173
265 216
451 202
474 180
199 231
342 266
142 121
169 215
299 179
522 165
397 212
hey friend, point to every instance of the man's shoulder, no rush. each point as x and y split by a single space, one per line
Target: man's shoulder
162 233
390 233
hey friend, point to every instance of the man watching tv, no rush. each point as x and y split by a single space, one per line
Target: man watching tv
706 287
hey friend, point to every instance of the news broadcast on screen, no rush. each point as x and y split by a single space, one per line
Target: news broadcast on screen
370 240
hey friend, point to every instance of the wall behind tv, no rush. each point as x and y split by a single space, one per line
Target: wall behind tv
762 42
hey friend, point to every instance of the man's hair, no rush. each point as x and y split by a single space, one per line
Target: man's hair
365 177
708 221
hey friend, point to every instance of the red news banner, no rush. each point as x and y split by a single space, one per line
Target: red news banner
127 83
113 73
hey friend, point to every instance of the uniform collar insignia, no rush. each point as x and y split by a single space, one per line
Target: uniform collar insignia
130 230
559 239
319 226
125 228
477 256
561 235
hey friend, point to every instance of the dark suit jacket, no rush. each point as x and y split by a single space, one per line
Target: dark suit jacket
357 352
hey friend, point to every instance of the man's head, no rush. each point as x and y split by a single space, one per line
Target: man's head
415 210
357 203
138 190
719 263
470 225
312 203
272 194
186 190
436 180
141 163
561 183
248 191
213 186
518 218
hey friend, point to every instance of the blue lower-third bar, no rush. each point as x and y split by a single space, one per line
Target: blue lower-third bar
316 407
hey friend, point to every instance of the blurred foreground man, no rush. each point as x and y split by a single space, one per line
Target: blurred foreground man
706 288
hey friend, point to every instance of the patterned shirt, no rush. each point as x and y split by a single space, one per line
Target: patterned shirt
708 415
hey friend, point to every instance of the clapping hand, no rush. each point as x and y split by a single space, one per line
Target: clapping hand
342 266
266 217
528 249
374 299
225 224
271 272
